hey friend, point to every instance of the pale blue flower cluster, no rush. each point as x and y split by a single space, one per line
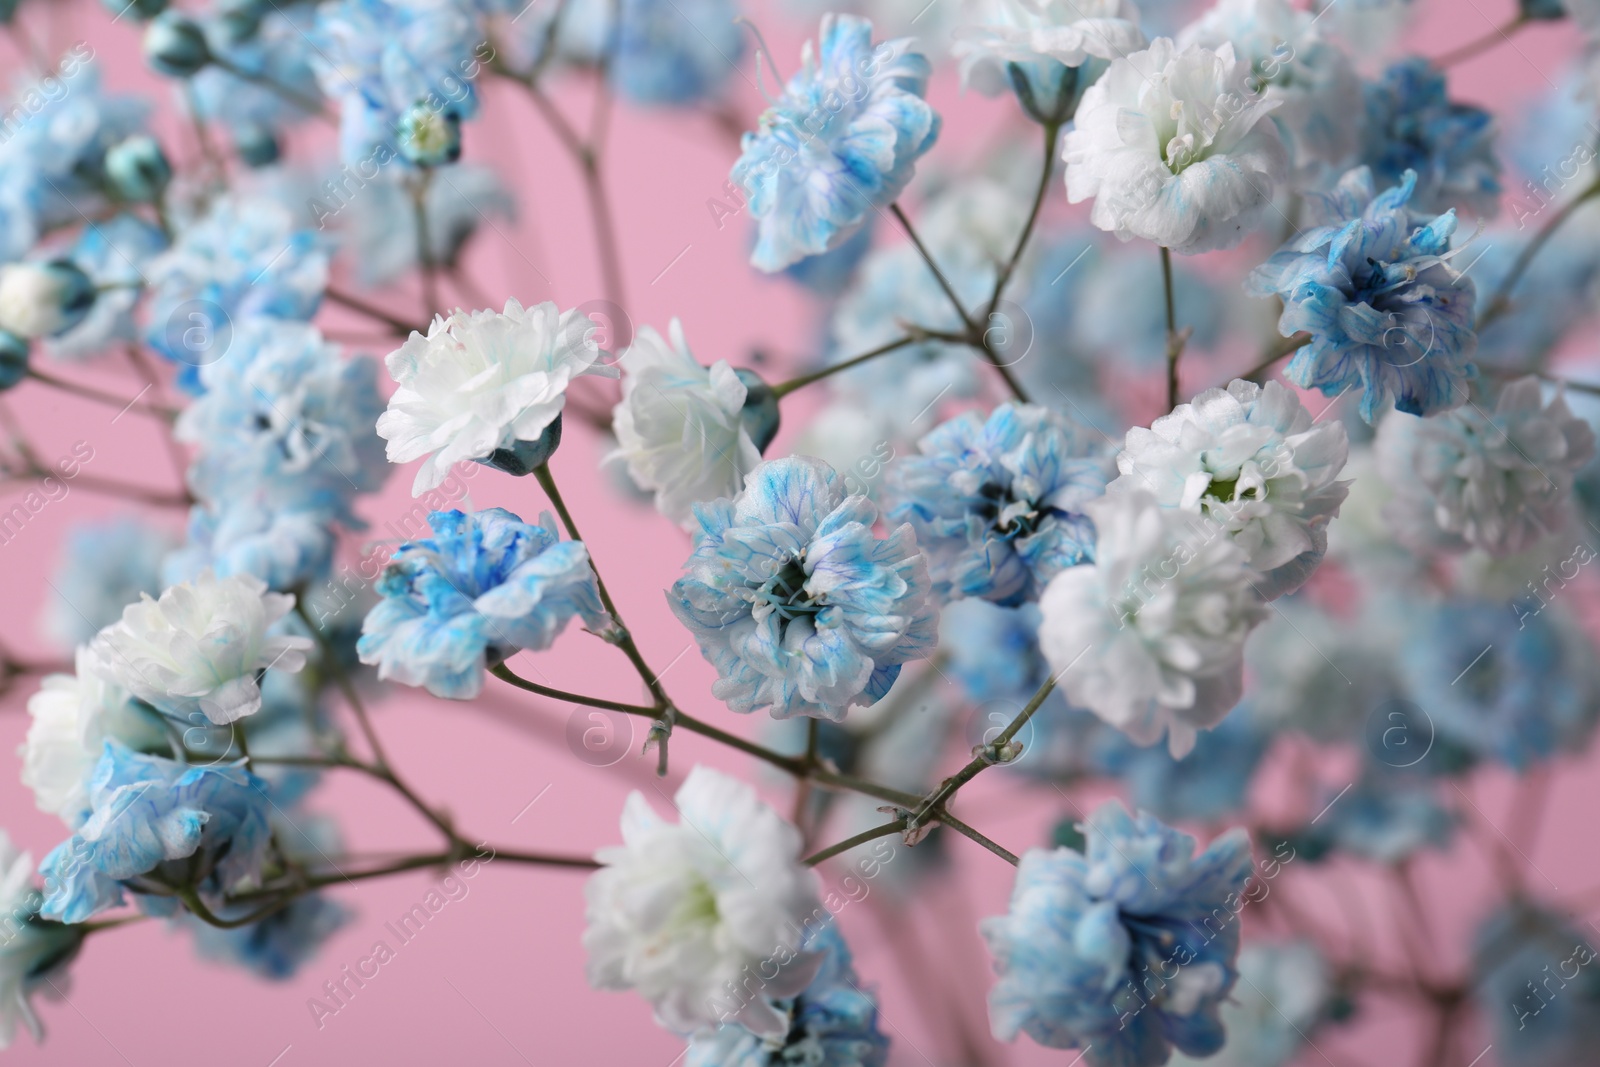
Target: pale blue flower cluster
285 438
1372 284
150 813
1413 125
245 258
105 566
398 67
275 947
1534 971
997 503
1499 685
482 588
833 1022
839 144
114 255
1211 782
53 144
1126 951
797 603
272 45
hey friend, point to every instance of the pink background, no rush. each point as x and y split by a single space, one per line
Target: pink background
497 978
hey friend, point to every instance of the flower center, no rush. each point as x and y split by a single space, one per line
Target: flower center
1008 514
786 591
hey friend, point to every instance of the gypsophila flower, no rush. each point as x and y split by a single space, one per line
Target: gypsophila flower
799 606
1285 989
1412 125
244 258
485 382
199 648
833 1022
1372 285
1469 479
1047 51
483 587
44 299
1310 79
1247 457
285 420
1533 981
105 566
380 58
1150 636
1174 148
680 426
150 813
1126 951
275 947
1501 685
1211 782
285 548
70 716
112 255
33 954
998 504
839 143
705 918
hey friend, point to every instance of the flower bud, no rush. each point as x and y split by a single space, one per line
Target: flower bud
140 9
524 457
13 359
43 299
174 45
429 136
137 169
760 413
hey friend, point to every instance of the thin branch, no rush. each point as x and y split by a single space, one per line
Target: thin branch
783 389
1482 44
1500 302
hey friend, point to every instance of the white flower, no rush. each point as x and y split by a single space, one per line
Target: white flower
678 426
71 716
704 917
1468 479
1174 148
200 646
1150 637
482 381
1249 458
1320 108
16 957
995 33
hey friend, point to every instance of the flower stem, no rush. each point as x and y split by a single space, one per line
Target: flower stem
355 303
1274 352
425 263
1052 133
783 389
1482 44
1175 340
1500 302
851 842
89 392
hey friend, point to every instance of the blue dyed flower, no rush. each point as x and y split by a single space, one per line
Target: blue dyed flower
275 947
52 152
666 52
998 503
287 549
1538 984
831 1023
1372 285
839 144
382 58
276 49
1126 951
994 654
148 814
482 588
244 259
1412 125
1212 781
113 254
1500 686
799 606
1389 816
286 422
105 566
